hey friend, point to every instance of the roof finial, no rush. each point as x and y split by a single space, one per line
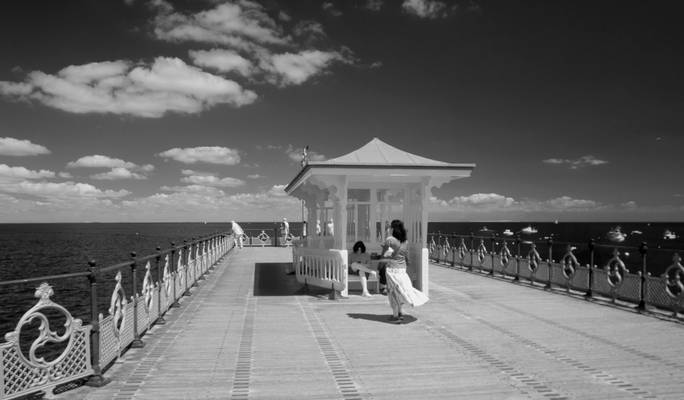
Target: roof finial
305 156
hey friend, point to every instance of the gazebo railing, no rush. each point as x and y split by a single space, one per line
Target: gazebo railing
556 265
41 357
320 267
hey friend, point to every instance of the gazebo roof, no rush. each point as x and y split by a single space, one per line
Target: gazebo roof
375 158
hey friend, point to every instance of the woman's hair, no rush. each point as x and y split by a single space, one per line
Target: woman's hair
359 246
398 230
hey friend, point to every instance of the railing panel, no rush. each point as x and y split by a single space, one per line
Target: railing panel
23 371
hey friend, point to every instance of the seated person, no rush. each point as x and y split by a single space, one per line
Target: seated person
359 262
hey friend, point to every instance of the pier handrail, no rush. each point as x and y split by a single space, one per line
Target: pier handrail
90 349
605 275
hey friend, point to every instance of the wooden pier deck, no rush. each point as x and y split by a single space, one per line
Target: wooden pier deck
478 338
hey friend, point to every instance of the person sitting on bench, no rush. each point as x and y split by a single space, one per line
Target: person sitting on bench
359 262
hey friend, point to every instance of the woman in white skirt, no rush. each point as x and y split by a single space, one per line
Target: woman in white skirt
400 290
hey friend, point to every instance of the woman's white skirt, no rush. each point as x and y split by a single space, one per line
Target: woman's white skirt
399 282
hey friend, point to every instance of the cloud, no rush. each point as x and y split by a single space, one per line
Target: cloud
223 61
330 8
21 173
254 176
295 154
100 161
296 68
121 87
205 154
311 31
577 163
373 5
119 169
118 173
211 180
65 175
61 190
237 24
430 9
16 147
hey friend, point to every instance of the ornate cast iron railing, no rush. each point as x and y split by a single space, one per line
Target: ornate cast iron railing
40 358
533 261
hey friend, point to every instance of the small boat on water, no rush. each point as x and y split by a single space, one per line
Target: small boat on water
507 232
528 230
485 229
616 235
669 235
636 233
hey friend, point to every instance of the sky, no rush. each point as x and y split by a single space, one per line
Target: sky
159 110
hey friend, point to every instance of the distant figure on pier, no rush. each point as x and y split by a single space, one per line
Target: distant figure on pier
318 227
238 234
286 228
330 227
400 290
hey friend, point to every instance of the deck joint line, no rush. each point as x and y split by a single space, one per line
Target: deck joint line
245 358
346 385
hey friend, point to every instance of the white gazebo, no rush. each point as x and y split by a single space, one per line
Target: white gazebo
354 197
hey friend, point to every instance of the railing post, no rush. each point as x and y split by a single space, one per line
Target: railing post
550 264
173 266
137 343
591 268
518 242
643 249
96 379
439 245
491 271
472 251
160 287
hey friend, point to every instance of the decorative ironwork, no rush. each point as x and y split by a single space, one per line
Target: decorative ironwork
615 270
505 255
569 263
22 373
433 245
117 309
534 258
673 278
148 288
481 252
167 277
462 250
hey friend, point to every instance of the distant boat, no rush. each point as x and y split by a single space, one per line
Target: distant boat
484 229
636 233
528 230
616 235
555 221
507 232
669 235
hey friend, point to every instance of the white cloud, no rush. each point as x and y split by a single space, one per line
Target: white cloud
65 175
100 161
296 68
205 154
580 162
211 180
425 8
237 24
374 5
254 176
330 8
120 87
17 147
21 173
118 173
222 60
61 190
119 169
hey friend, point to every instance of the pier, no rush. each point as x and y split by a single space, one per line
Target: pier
240 336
